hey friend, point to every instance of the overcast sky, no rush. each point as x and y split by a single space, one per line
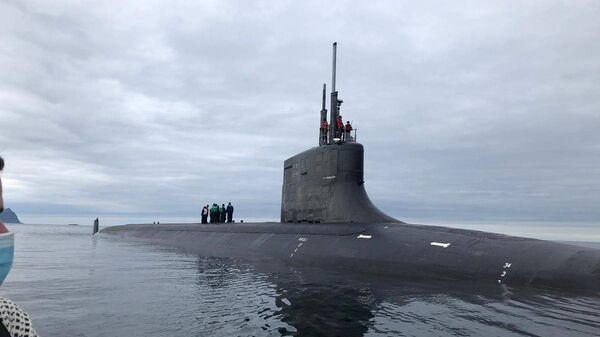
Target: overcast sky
469 111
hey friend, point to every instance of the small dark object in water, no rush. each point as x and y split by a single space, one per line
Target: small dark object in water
96 226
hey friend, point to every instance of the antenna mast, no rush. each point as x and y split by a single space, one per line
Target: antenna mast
322 140
333 67
334 100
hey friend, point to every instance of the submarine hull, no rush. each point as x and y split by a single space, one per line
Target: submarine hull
393 249
327 219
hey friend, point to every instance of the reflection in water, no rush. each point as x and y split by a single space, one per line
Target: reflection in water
76 285
316 310
307 302
292 304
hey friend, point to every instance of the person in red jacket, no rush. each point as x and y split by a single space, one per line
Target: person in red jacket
324 130
339 127
348 130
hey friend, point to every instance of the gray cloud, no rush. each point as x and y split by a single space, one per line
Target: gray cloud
467 110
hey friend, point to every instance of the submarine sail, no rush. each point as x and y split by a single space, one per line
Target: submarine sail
326 183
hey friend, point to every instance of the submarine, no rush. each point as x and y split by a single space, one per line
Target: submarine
328 221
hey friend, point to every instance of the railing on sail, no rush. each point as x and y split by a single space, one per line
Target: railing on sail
343 137
349 137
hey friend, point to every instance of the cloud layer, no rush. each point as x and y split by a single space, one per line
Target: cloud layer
139 111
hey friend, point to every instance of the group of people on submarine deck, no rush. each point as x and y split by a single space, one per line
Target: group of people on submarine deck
217 214
343 132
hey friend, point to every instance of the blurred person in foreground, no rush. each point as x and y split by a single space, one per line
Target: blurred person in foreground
13 321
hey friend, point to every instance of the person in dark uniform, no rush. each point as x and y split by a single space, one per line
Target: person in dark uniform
229 213
223 214
205 214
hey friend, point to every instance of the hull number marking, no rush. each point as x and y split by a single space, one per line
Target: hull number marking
504 271
301 241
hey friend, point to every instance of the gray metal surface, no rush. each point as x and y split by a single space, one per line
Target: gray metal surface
410 251
326 184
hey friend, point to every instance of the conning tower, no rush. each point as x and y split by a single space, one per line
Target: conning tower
326 183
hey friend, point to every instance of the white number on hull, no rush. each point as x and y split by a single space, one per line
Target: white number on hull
301 241
504 272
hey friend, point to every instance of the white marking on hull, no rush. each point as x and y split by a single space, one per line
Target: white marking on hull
439 244
301 241
364 236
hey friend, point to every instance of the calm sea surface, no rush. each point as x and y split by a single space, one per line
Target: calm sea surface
73 284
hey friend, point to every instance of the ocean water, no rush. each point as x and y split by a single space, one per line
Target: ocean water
73 284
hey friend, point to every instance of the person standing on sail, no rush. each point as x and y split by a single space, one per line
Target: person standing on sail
324 129
339 127
348 130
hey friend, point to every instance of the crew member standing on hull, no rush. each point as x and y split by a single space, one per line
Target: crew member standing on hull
213 213
223 214
324 129
205 214
229 213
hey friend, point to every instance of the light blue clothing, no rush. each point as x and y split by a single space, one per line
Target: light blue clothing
7 252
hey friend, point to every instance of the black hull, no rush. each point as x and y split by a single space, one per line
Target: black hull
399 250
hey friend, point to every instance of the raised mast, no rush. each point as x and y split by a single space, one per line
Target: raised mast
334 100
323 116
333 67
